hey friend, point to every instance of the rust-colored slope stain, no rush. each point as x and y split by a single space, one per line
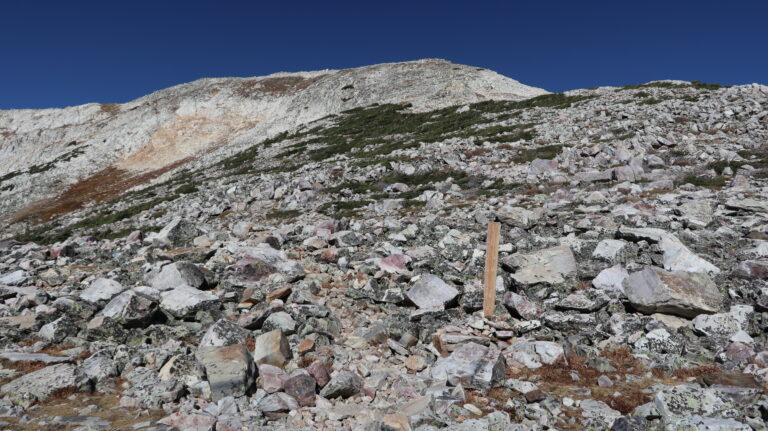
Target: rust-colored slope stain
102 186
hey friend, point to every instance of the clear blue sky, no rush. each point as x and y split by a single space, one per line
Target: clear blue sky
61 53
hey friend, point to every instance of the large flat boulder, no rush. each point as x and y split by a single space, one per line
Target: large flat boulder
687 294
184 301
547 266
100 290
431 291
44 383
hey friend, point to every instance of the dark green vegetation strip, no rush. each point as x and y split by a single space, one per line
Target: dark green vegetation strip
378 130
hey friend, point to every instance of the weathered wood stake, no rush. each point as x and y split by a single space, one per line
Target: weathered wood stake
491 261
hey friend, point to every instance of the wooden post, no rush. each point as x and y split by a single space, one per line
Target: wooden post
491 261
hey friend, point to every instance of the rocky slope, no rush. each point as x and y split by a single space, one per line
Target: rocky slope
114 147
330 276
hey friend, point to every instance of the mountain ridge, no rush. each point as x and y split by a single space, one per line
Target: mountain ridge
66 145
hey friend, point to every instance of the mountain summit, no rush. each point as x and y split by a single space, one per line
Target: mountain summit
112 147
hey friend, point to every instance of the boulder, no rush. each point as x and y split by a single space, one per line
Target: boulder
46 382
676 256
430 291
230 370
222 333
178 233
131 309
611 279
176 274
686 294
184 301
534 354
344 385
471 365
521 306
258 263
58 330
548 266
302 387
277 402
100 290
272 348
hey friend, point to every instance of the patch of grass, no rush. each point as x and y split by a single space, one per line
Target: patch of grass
715 182
35 169
651 85
652 101
705 86
49 234
642 94
380 129
186 189
110 108
339 209
547 152
283 214
10 175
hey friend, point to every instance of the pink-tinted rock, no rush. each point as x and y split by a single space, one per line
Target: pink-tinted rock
302 387
395 263
189 421
752 269
319 372
522 306
271 378
739 352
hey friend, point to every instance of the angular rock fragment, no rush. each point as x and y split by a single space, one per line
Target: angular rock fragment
271 378
471 365
278 402
301 387
222 333
178 233
609 250
258 263
184 301
131 309
548 266
522 306
101 289
534 354
687 294
611 279
44 383
677 257
430 291
752 269
176 274
230 370
58 330
272 348
344 385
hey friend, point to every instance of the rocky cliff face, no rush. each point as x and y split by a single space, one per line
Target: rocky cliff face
43 152
297 270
